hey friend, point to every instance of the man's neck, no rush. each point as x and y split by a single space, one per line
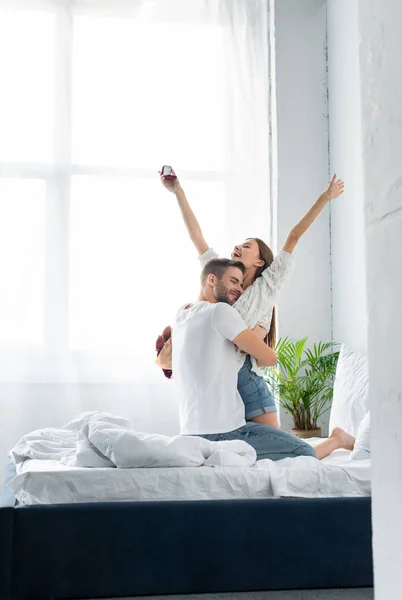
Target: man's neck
206 297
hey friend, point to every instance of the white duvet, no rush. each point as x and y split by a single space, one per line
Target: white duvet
52 467
98 439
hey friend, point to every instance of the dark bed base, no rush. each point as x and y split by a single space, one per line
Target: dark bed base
135 548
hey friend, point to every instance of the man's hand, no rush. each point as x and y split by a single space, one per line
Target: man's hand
173 185
335 188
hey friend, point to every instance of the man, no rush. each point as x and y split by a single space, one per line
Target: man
207 336
205 366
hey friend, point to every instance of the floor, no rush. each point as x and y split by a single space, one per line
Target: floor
348 594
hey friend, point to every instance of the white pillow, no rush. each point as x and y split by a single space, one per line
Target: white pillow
362 447
350 401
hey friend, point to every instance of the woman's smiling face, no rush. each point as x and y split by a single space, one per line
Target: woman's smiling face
248 253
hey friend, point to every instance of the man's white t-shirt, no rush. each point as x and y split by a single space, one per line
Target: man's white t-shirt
205 368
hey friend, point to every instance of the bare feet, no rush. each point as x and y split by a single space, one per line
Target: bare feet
346 441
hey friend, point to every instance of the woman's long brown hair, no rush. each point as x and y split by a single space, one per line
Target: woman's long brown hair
267 256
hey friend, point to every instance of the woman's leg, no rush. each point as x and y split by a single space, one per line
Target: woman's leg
276 444
271 443
270 419
338 439
259 405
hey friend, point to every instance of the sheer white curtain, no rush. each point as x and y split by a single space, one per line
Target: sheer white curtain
95 95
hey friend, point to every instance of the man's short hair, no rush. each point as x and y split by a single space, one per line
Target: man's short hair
218 267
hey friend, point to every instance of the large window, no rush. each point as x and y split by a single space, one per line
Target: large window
94 97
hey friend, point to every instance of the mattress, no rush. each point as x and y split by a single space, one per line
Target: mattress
50 482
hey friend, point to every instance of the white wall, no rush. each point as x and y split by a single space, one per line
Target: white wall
305 306
347 215
381 96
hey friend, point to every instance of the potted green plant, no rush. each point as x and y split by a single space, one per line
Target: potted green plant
302 381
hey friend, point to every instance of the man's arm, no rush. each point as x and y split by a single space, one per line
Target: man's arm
259 331
189 218
249 343
227 321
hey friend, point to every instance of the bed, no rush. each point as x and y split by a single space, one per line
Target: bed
127 549
50 482
185 530
110 532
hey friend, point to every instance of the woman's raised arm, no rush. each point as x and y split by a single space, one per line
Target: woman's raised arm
189 218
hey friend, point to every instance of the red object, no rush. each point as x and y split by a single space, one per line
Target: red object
168 172
160 342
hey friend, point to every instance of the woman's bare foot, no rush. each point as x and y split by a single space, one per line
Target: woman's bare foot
338 439
347 441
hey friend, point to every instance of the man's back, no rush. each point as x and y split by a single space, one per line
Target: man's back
205 368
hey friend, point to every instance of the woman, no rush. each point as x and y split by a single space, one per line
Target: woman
262 283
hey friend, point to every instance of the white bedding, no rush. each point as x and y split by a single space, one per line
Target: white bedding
77 463
48 482
98 439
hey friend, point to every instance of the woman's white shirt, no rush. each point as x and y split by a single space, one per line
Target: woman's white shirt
257 302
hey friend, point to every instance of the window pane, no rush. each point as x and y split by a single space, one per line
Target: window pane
22 261
145 93
132 264
27 49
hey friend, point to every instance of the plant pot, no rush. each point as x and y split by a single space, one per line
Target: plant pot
306 433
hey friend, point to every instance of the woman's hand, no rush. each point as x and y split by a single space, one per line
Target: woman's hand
335 188
189 218
173 185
